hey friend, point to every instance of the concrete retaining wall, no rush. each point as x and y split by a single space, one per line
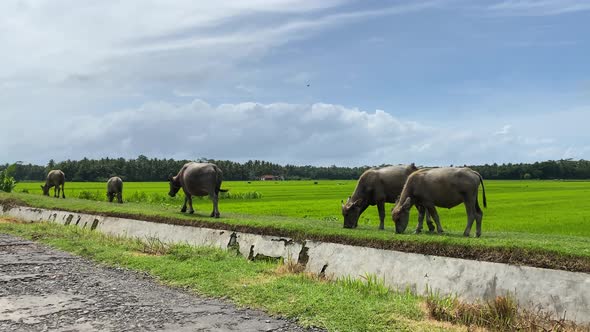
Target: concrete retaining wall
553 291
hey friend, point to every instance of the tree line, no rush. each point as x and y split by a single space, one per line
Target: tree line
143 168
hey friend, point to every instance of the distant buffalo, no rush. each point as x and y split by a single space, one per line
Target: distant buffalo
443 187
55 179
197 179
376 187
115 188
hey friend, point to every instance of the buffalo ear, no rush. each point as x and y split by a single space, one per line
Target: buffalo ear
170 177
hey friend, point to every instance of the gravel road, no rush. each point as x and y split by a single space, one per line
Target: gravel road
42 289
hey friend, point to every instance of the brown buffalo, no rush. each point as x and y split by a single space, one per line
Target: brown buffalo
56 179
443 187
197 179
115 188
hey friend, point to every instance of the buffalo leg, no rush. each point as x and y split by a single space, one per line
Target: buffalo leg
478 218
421 211
56 191
429 222
190 204
183 209
63 192
120 198
215 198
434 215
110 196
381 209
470 209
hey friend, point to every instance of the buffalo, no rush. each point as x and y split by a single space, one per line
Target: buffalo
197 179
55 179
375 187
115 188
443 187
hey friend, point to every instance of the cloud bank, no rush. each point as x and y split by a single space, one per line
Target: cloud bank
319 134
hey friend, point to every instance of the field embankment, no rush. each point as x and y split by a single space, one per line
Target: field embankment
536 223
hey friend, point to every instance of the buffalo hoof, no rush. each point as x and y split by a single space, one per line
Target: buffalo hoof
216 215
183 210
418 231
466 234
478 234
191 211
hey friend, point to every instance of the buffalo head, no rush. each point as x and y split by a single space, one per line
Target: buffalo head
351 212
45 189
401 215
174 186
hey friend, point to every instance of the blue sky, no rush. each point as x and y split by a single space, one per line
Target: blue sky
432 82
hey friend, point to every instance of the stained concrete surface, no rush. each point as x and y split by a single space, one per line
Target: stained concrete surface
42 289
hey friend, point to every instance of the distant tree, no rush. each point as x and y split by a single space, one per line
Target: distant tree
153 169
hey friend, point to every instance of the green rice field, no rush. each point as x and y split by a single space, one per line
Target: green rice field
538 216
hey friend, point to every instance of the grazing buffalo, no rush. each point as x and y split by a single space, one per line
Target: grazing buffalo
198 179
115 188
375 187
55 179
443 187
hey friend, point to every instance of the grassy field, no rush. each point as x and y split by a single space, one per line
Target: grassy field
536 216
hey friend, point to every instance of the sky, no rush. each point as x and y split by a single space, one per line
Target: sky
331 82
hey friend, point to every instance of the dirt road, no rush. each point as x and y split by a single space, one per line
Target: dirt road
42 289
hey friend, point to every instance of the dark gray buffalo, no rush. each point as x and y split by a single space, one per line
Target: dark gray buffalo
443 187
115 188
197 179
55 179
375 187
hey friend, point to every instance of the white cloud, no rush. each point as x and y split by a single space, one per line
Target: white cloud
246 88
504 131
539 7
321 134
98 41
185 93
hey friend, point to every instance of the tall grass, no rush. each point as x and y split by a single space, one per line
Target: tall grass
160 198
368 285
500 314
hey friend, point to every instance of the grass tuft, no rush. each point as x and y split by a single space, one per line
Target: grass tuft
289 267
499 314
152 245
367 285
